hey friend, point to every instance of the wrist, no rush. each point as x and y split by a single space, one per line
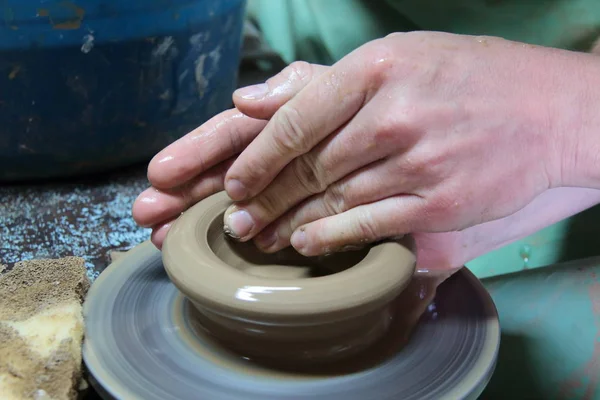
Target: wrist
576 137
548 208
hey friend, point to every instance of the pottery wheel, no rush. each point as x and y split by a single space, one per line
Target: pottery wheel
139 345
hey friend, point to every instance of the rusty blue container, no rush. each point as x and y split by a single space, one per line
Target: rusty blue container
92 85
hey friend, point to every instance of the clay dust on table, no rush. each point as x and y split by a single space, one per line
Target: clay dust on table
87 217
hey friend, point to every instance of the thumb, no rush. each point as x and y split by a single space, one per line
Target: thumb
262 100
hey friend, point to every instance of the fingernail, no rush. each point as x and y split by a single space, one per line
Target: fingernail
238 224
254 92
149 198
298 239
236 189
165 159
266 239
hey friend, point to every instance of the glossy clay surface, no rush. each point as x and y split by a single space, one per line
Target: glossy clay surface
200 261
280 306
141 344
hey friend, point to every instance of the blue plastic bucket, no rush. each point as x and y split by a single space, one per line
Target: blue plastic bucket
91 85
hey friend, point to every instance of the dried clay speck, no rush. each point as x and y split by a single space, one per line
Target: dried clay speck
87 218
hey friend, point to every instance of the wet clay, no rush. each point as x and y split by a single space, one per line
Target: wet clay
314 309
143 335
404 314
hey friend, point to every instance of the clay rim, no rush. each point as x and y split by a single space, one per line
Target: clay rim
208 281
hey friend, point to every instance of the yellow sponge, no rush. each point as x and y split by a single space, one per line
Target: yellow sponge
41 329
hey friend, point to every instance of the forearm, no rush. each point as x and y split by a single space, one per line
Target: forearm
574 141
577 113
548 208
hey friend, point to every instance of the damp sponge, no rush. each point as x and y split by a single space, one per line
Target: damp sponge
41 329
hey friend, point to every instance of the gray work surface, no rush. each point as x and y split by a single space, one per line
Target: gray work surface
87 217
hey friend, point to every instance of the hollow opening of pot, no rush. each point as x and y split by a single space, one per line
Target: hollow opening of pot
284 264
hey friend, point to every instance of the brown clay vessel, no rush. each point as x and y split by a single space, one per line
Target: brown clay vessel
283 305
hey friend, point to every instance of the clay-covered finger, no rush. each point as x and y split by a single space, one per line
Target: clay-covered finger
322 107
368 223
215 141
262 100
154 205
372 183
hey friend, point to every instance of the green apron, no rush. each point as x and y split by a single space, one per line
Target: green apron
323 31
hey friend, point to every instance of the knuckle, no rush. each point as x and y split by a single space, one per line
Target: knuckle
395 35
379 49
334 199
388 132
443 205
412 166
184 192
270 207
293 133
397 127
299 70
255 172
429 164
235 138
436 164
366 227
287 225
309 174
379 56
292 79
215 185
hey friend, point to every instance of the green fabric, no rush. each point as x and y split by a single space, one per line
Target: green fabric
323 31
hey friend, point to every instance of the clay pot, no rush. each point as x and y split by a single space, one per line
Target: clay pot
283 306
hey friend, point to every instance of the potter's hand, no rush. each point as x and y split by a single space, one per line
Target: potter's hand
417 132
450 250
194 166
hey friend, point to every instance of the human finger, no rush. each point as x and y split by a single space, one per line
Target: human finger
370 184
154 205
309 174
262 100
323 106
372 135
159 233
217 140
391 217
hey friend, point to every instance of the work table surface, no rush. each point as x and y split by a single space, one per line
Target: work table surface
86 217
